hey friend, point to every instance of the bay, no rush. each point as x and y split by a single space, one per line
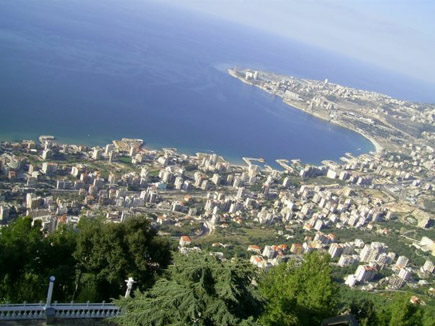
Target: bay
89 72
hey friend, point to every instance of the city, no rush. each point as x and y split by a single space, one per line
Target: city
373 214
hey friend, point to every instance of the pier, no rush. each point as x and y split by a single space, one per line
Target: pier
249 160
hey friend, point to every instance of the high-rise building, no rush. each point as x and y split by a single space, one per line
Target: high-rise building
365 273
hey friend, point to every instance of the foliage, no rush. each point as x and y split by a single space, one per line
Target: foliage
125 159
365 311
28 259
401 312
198 289
90 262
302 295
392 310
107 253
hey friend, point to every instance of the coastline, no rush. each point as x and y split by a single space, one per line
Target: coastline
373 141
376 145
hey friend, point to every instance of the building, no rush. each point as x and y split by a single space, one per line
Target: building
405 273
331 174
185 241
402 261
335 250
365 253
428 266
347 260
4 212
49 168
296 248
350 280
216 179
365 273
257 261
32 201
269 252
254 248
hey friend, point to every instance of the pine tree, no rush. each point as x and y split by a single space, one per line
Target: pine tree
198 289
299 295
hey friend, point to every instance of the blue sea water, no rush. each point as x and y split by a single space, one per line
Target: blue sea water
92 71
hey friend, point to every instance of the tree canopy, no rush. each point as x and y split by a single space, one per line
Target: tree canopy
28 258
303 295
401 312
108 253
90 261
198 289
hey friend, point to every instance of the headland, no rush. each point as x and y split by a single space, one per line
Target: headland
386 122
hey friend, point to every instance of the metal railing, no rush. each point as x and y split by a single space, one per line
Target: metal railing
34 311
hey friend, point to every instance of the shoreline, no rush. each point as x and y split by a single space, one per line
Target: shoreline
101 141
373 141
376 145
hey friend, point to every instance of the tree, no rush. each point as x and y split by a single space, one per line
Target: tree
401 312
58 261
302 295
429 316
108 253
90 262
198 289
21 246
364 311
28 258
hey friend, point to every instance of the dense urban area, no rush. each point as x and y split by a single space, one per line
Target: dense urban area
371 215
387 122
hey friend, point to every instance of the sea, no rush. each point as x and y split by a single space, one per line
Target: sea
89 72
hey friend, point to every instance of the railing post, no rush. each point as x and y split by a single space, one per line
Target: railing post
49 311
50 291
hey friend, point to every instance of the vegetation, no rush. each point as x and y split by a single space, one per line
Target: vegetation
397 311
27 259
236 237
302 295
90 262
198 289
107 253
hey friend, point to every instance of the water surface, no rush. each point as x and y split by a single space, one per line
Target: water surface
91 72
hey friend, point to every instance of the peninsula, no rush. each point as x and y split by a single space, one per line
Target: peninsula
387 122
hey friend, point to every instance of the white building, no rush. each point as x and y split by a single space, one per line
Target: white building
428 266
402 261
365 273
335 250
405 273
